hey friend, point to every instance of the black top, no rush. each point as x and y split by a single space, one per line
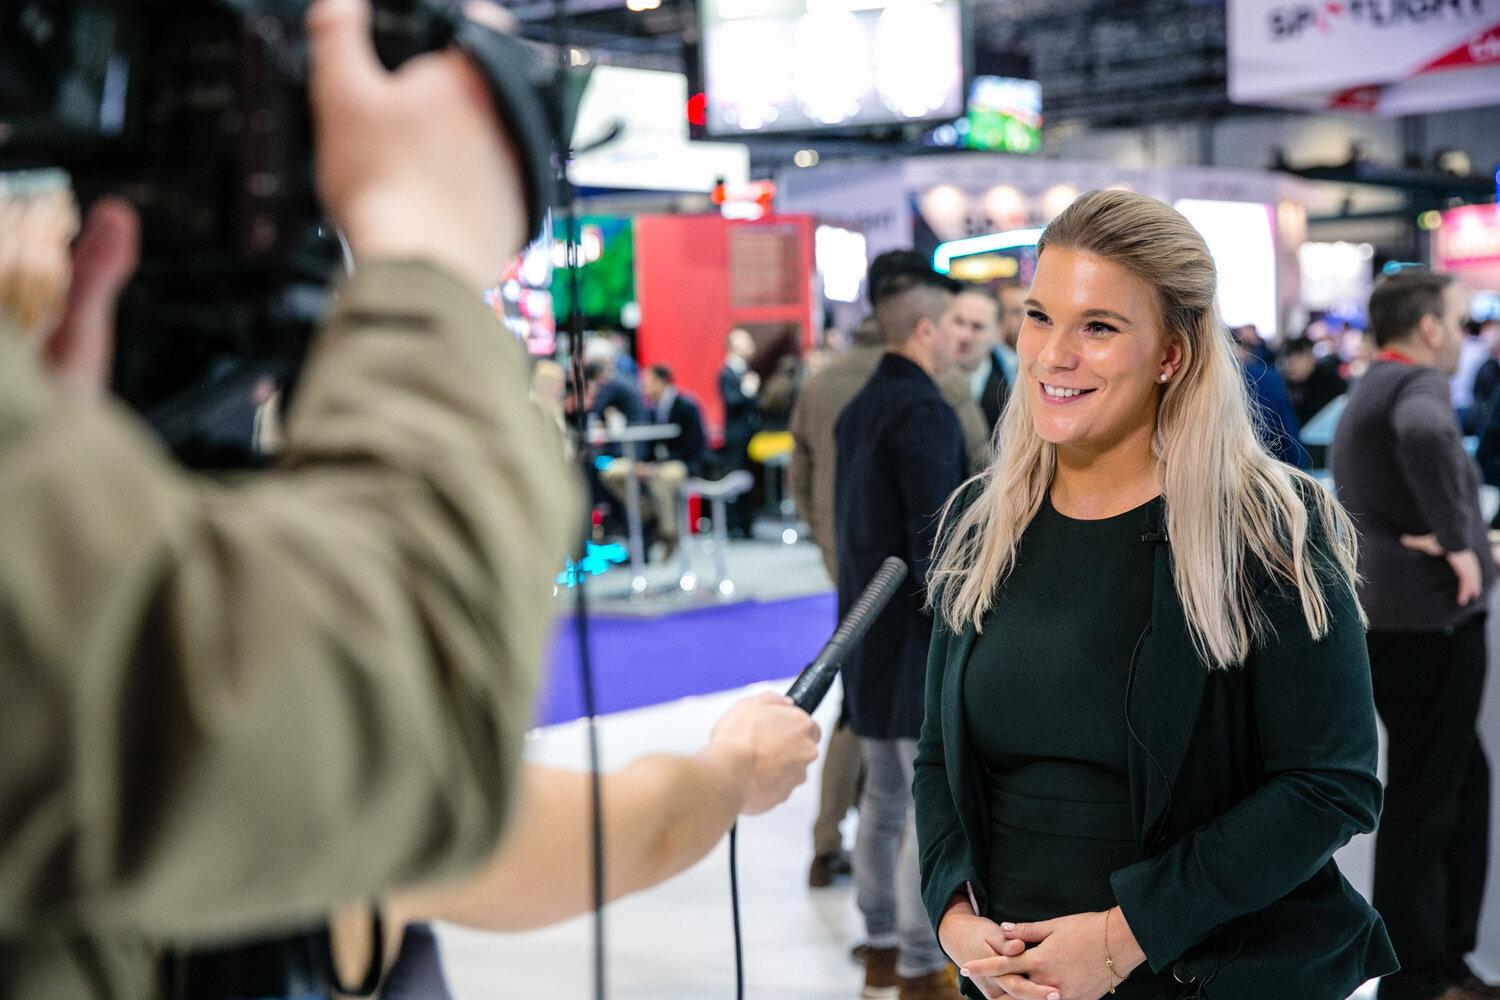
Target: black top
690 446
741 412
899 454
1043 697
1055 653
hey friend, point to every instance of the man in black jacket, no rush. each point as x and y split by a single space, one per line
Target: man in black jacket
1426 567
900 453
983 359
664 465
739 389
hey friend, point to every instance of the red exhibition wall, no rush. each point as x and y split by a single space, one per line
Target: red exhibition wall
699 276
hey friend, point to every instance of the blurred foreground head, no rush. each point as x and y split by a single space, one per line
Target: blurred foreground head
38 220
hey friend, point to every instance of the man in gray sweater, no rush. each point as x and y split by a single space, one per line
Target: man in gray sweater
1402 472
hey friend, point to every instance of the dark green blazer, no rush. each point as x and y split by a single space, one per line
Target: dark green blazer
1243 783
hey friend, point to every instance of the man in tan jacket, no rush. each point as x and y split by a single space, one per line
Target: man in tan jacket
223 710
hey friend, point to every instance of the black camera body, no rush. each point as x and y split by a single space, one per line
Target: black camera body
196 111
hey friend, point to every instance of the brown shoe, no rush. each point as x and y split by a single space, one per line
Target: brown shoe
939 985
668 546
880 973
826 868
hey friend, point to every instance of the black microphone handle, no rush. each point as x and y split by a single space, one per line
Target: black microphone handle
816 678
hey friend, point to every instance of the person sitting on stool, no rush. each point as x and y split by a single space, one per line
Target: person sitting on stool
672 461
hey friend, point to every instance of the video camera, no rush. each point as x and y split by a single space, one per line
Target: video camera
196 111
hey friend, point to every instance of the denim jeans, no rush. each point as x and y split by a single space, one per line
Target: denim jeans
887 882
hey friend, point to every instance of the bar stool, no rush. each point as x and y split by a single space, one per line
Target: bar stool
773 450
718 492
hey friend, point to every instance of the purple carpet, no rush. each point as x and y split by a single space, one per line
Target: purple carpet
638 662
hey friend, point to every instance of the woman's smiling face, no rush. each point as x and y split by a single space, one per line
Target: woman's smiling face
1093 353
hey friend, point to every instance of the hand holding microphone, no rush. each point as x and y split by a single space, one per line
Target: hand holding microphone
774 732
775 742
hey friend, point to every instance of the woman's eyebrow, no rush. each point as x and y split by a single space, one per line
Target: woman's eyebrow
1087 313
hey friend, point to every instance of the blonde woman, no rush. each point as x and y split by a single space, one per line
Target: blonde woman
1148 720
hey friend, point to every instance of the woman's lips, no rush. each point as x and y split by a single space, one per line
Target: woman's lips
1057 395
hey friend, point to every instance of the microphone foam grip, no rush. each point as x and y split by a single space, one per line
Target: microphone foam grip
813 683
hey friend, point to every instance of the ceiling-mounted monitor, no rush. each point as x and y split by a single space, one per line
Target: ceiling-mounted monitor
806 65
1005 115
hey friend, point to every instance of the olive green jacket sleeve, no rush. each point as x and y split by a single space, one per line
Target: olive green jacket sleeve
223 709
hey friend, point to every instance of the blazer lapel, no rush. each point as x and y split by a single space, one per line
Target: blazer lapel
1166 694
957 752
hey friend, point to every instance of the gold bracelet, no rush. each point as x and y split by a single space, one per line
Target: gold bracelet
1109 963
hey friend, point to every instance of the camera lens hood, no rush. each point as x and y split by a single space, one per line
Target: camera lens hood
520 86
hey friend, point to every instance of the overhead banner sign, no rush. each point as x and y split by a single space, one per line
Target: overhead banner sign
1383 57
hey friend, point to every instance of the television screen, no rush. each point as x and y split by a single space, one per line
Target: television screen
794 65
1005 115
606 278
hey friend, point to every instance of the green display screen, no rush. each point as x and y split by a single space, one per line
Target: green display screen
1004 115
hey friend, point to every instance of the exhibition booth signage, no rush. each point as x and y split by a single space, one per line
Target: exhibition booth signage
1387 57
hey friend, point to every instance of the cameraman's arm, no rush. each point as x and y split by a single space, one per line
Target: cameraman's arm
661 814
227 708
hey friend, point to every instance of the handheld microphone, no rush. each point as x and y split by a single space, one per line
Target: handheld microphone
813 683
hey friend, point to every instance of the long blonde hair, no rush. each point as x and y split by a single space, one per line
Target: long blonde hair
1230 506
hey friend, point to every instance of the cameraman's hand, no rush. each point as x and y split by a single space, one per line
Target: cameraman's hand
775 740
412 163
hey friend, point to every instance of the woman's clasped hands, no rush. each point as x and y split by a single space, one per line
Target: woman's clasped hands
1067 958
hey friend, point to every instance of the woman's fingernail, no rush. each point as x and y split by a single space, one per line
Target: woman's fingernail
1053 996
964 973
1007 926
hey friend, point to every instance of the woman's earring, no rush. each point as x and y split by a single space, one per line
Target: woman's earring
1163 376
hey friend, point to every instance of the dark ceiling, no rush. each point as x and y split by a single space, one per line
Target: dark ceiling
1100 63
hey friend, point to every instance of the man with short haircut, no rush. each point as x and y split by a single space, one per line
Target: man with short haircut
1311 383
1426 567
985 359
1012 313
810 477
900 453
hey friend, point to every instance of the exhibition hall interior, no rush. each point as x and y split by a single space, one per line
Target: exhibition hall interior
706 297
1315 146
